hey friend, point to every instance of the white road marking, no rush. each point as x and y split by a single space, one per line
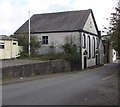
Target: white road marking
109 76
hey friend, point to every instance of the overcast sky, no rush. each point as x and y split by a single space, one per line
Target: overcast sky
13 13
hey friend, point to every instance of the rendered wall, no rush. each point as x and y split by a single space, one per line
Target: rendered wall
56 40
10 49
92 60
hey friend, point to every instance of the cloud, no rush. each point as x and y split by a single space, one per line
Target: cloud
11 17
101 9
18 2
15 12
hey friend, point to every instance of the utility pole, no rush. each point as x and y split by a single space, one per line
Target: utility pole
29 37
119 4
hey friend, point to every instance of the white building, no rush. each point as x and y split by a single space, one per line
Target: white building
8 47
57 29
109 53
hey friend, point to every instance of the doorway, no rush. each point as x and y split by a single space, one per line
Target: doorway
85 62
96 60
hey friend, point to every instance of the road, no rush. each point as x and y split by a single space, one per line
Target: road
97 86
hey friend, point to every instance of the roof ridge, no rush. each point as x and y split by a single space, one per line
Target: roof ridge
63 12
5 37
58 21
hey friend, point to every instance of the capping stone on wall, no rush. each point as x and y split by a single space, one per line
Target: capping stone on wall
39 68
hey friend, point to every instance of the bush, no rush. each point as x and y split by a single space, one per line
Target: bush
72 56
23 41
71 53
24 55
51 56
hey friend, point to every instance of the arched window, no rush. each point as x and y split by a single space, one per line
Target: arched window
89 47
93 47
84 41
97 40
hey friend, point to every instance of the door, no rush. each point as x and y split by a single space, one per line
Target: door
85 62
96 60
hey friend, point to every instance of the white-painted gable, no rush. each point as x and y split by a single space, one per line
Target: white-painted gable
90 25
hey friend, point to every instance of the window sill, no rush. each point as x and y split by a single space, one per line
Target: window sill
45 45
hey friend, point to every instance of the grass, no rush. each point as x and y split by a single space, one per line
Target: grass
118 77
45 57
6 78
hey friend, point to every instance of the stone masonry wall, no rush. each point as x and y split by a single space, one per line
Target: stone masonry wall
38 68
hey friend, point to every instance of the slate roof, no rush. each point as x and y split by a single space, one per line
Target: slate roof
56 22
4 37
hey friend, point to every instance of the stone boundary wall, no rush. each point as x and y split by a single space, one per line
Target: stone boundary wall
38 68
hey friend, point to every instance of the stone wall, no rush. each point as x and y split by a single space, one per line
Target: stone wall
38 68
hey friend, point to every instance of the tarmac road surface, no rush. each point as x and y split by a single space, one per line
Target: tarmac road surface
97 86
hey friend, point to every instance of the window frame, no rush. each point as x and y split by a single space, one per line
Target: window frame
14 43
84 41
89 47
97 40
2 45
44 40
93 47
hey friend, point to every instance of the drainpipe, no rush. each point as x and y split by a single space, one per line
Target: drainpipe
29 37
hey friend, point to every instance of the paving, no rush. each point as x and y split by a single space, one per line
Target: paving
97 86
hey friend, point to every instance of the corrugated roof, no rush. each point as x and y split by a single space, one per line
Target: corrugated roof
4 37
53 22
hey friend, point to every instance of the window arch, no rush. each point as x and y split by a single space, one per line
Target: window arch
84 41
93 47
89 47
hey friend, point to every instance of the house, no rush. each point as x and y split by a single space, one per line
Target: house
8 47
109 53
101 52
57 29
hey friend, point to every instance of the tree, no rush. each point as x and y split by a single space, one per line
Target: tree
72 56
72 53
23 41
115 29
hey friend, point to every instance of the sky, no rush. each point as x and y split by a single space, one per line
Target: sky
14 13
